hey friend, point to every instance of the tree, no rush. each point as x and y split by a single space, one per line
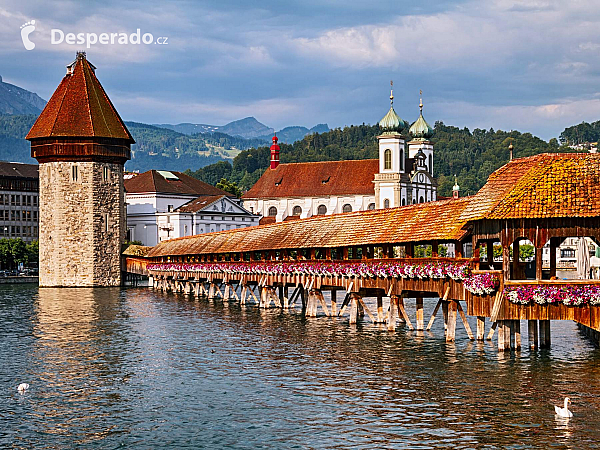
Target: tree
33 252
230 186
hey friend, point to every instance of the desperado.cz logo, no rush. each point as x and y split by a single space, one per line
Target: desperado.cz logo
58 36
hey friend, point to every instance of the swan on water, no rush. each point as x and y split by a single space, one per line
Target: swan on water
22 387
564 412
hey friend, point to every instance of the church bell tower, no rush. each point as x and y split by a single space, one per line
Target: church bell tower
81 145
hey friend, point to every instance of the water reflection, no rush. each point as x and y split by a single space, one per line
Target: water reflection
134 368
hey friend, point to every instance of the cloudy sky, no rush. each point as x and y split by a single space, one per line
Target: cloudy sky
531 65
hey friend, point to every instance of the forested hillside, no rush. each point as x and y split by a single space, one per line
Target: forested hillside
472 156
580 134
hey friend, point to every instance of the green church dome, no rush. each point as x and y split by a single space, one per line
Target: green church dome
391 122
421 130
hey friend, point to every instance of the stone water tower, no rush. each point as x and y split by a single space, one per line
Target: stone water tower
81 145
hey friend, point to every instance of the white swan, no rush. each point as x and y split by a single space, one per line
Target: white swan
22 387
564 412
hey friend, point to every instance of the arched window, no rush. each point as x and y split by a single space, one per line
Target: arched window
421 200
296 211
347 208
387 159
272 211
371 206
403 202
386 203
431 164
401 159
322 210
414 201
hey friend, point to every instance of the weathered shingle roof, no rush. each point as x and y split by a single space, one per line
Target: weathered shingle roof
414 223
545 185
317 179
158 181
80 108
19 170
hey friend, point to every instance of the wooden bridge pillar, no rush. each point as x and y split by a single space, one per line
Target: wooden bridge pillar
333 303
532 331
353 308
380 316
480 328
451 330
544 333
445 314
419 307
393 315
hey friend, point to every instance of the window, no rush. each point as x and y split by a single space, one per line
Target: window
386 203
403 202
35 215
567 253
106 217
272 211
387 159
401 159
421 200
296 211
371 206
185 230
431 164
105 173
35 200
74 173
169 208
347 208
322 210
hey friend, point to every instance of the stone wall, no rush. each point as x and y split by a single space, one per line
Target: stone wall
82 224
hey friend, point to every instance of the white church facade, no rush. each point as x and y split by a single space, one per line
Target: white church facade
402 175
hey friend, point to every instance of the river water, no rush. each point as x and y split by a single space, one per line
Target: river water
135 368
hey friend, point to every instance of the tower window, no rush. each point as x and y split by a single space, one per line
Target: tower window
431 164
105 173
106 217
387 159
421 199
371 206
322 210
297 211
74 173
347 208
386 203
403 202
272 211
402 159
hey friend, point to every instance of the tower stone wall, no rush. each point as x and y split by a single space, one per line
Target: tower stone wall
82 223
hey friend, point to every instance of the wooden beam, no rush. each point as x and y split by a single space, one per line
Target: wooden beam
333 294
464 319
403 312
480 328
391 325
532 328
451 331
435 310
496 306
380 317
419 308
366 309
492 329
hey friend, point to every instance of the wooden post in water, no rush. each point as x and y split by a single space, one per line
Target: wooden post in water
391 325
353 308
420 322
511 336
333 303
544 333
380 318
503 335
481 327
517 328
445 314
451 329
532 331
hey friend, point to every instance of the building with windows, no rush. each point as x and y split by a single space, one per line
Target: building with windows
163 205
19 201
402 175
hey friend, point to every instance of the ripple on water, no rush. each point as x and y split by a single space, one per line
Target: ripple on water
134 367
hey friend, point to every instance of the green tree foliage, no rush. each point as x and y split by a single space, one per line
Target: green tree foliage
230 187
580 134
15 251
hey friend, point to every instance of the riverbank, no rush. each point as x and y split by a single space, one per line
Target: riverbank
19 280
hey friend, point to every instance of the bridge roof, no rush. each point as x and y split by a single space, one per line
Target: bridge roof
541 186
317 179
414 223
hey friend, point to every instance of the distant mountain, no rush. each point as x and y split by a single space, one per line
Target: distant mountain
247 128
289 135
16 100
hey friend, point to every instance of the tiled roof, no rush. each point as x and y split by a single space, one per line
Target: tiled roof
414 223
11 169
545 185
199 203
317 179
162 182
79 108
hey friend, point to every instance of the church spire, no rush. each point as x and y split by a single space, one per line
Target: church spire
391 122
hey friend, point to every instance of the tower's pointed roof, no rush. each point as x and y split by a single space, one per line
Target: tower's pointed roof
80 108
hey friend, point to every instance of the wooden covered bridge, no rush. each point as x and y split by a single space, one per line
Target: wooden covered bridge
442 249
